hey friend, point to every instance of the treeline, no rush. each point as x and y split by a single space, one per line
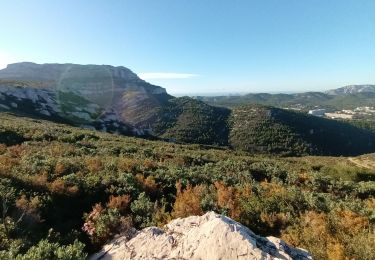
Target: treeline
307 100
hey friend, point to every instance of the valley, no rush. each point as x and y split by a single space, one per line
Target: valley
115 100
91 151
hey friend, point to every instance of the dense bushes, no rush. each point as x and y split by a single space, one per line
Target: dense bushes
87 186
267 130
191 121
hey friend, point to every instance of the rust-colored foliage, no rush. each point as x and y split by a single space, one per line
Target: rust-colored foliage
370 203
3 148
16 151
58 186
7 163
60 168
335 250
303 177
127 164
227 197
272 188
94 164
121 203
314 234
39 180
148 184
350 222
29 207
188 201
149 164
60 149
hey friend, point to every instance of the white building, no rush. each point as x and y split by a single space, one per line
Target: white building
317 112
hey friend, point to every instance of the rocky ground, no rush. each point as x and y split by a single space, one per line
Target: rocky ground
211 236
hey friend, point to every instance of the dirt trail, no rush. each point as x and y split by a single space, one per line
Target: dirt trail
363 162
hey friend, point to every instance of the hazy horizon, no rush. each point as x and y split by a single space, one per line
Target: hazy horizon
196 47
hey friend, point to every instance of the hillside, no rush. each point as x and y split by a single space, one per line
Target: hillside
116 90
67 190
273 130
115 100
191 121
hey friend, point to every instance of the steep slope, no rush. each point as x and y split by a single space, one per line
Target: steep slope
191 121
273 130
75 184
66 107
116 89
210 236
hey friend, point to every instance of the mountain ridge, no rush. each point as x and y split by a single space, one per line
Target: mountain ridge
352 89
115 100
104 86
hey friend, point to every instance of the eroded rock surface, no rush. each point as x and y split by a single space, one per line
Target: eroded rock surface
211 236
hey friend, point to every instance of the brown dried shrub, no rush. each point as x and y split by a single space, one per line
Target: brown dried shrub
127 164
121 203
3 148
94 164
230 198
16 151
188 201
148 184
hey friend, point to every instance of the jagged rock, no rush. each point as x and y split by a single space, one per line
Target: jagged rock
211 236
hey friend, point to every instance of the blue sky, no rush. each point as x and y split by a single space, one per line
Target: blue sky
196 46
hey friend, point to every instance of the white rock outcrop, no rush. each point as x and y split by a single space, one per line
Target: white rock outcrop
211 236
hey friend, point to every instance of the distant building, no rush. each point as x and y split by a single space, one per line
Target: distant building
339 115
365 109
317 112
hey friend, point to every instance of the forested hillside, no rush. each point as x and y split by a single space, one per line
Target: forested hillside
263 129
65 191
191 121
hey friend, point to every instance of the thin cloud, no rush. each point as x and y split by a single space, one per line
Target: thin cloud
166 75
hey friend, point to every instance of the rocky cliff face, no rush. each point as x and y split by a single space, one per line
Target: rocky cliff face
210 236
105 89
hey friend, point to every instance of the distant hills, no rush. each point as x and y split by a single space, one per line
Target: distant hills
116 100
343 98
262 129
352 89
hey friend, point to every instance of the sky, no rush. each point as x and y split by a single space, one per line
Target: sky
201 46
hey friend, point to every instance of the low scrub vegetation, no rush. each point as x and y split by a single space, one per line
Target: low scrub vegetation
65 191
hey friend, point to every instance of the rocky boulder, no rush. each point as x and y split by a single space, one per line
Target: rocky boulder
211 236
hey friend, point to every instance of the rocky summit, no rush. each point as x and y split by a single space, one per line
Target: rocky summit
84 95
211 236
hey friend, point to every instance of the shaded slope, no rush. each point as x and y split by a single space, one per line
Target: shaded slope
273 130
191 121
